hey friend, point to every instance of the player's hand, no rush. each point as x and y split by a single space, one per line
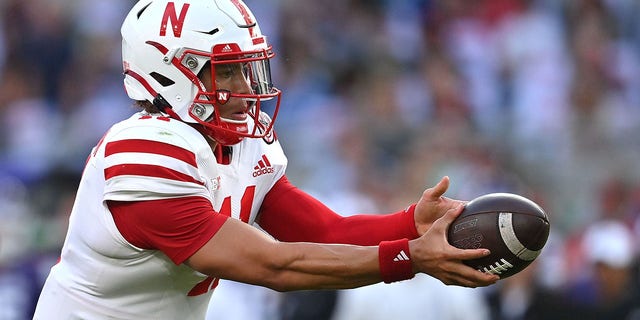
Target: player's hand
433 205
432 254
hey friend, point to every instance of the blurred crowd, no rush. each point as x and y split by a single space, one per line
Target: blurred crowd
381 99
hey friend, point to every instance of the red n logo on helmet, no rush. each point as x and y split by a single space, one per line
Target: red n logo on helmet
170 14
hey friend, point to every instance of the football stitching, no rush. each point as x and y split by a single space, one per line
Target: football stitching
498 267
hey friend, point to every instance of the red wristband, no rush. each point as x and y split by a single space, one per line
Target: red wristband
409 216
395 260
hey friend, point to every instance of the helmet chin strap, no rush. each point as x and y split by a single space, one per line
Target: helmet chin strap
158 100
161 103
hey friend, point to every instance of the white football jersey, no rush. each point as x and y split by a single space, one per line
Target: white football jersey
100 274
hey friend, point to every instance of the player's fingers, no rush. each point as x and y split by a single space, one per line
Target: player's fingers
476 277
469 254
439 189
445 221
484 278
461 274
472 278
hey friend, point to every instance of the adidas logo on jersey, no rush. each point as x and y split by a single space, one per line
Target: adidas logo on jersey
263 167
401 256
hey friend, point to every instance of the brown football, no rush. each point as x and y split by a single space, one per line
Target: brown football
512 227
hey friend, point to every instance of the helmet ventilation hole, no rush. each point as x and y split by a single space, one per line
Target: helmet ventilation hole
162 80
142 10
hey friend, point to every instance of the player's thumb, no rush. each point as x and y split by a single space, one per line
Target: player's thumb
440 188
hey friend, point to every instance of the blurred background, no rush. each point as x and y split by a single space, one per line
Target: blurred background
381 99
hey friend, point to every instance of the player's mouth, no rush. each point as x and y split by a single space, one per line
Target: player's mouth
238 114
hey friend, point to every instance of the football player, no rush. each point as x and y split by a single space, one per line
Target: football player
171 199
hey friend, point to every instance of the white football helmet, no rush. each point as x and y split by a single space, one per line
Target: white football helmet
165 45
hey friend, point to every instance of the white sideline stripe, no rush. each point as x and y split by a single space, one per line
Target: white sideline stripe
505 223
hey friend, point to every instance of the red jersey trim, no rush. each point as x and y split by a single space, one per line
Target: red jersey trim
147 170
150 146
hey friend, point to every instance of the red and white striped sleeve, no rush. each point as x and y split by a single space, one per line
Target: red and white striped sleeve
154 160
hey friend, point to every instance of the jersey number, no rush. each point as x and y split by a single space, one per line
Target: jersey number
246 203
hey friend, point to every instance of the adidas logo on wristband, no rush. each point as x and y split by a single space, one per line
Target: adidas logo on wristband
401 256
394 259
